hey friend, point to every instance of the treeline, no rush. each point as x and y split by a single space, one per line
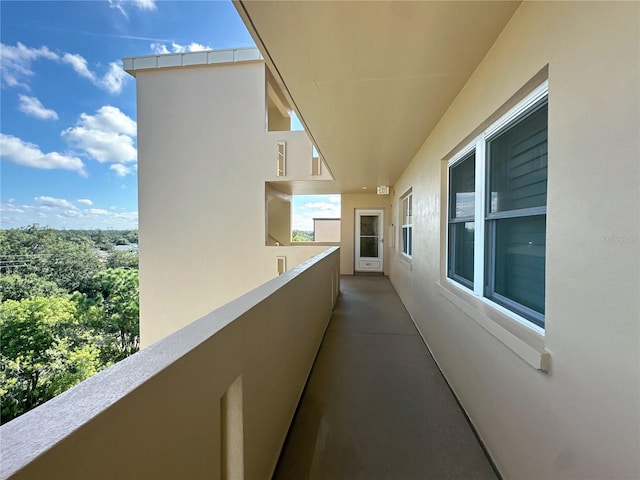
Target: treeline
68 309
302 236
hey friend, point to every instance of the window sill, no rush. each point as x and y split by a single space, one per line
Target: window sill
525 343
406 260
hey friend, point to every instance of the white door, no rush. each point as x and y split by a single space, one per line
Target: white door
368 241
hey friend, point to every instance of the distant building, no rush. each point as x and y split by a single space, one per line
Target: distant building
326 230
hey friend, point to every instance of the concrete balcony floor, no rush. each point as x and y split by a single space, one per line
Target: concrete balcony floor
376 406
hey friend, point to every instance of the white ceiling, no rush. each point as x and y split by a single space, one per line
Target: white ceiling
370 80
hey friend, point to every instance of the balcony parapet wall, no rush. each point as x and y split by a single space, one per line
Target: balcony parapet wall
216 395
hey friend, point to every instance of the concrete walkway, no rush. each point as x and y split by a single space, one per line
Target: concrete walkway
376 405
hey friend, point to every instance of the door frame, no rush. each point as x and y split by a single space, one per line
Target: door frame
368 264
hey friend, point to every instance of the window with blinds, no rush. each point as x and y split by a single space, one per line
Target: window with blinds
497 211
462 197
516 214
407 224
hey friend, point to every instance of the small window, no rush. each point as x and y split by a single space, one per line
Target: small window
281 160
497 208
281 264
407 225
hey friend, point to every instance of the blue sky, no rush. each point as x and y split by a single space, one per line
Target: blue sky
68 131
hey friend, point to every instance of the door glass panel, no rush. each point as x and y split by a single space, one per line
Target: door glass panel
369 225
369 247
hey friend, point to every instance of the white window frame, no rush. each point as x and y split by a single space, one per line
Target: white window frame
479 146
406 247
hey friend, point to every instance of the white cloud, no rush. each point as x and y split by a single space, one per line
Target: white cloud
84 201
306 208
69 213
101 145
145 4
127 216
16 62
23 153
161 48
61 213
16 66
139 4
10 206
109 119
79 64
316 205
113 81
54 202
96 211
106 136
321 209
32 106
120 169
301 222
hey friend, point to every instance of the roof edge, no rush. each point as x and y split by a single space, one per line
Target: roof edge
188 59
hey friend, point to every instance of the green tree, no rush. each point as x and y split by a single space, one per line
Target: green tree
46 253
127 259
301 236
17 287
44 350
110 305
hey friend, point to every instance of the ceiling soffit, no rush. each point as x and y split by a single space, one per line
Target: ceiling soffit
370 80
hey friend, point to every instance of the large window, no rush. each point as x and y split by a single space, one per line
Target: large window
497 211
407 224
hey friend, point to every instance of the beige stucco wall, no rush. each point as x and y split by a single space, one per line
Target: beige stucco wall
203 158
582 419
349 204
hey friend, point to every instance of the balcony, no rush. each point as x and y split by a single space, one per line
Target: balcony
216 399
